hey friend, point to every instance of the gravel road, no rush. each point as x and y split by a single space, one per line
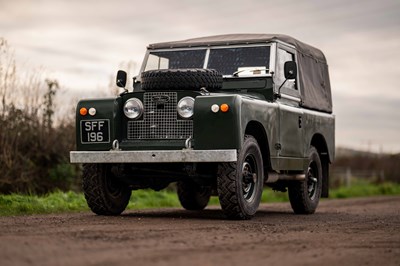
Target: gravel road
364 231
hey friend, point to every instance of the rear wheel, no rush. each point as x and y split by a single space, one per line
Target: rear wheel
240 184
304 195
104 194
193 196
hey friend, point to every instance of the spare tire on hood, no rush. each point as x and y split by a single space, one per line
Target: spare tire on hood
181 79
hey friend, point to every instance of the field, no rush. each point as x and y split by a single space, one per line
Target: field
57 202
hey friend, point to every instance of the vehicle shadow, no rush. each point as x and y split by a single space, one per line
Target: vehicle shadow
207 214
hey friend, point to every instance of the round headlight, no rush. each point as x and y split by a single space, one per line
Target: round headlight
133 108
185 107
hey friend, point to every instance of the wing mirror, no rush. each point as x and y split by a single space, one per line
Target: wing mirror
121 79
290 70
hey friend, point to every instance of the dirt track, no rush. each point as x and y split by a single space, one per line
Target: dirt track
342 232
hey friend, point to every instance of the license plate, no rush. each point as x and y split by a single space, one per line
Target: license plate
95 131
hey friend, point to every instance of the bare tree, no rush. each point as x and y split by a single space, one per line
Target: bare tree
49 103
7 73
34 148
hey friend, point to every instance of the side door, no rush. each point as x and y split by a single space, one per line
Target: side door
290 114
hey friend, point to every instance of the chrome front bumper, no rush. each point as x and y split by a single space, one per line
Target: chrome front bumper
185 155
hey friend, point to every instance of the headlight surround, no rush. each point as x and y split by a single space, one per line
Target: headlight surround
185 107
133 108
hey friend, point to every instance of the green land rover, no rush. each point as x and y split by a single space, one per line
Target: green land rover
221 115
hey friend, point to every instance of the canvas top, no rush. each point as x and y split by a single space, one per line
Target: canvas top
313 69
233 39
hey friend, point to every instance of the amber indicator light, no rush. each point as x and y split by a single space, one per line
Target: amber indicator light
224 107
83 111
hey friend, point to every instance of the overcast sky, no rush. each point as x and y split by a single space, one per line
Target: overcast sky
83 43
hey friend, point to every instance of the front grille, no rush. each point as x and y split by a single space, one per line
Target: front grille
160 119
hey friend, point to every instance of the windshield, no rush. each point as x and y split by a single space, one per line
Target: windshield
176 59
229 61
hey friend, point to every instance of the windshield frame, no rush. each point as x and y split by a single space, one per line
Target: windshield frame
272 52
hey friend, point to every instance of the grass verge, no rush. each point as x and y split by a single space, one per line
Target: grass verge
57 202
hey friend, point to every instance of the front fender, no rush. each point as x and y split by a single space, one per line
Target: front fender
217 130
106 109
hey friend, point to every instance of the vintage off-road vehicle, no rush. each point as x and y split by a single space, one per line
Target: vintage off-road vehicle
222 115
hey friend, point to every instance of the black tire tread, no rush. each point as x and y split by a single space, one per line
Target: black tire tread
96 196
298 194
229 191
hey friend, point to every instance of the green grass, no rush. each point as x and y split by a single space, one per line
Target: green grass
365 189
17 204
57 202
144 199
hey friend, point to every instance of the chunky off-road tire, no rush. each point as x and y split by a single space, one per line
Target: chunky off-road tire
304 195
181 79
104 194
192 196
240 184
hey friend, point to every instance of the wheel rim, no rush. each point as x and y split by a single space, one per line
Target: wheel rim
249 178
203 192
113 189
312 181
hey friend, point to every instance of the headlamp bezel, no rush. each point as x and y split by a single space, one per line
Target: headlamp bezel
184 113
137 103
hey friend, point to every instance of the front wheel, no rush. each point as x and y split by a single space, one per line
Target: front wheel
240 184
304 195
104 194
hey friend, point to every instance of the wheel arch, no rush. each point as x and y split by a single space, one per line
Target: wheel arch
319 142
257 130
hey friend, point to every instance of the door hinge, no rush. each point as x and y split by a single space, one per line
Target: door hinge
278 146
300 121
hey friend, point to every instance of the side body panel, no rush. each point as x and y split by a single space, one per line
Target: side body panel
291 131
322 124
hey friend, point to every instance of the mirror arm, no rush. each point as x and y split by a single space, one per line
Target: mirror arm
124 92
278 95
119 84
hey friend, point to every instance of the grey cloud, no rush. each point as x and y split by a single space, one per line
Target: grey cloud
372 118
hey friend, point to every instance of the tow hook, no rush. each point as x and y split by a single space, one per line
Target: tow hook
188 143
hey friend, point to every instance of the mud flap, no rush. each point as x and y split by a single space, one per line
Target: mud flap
325 177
